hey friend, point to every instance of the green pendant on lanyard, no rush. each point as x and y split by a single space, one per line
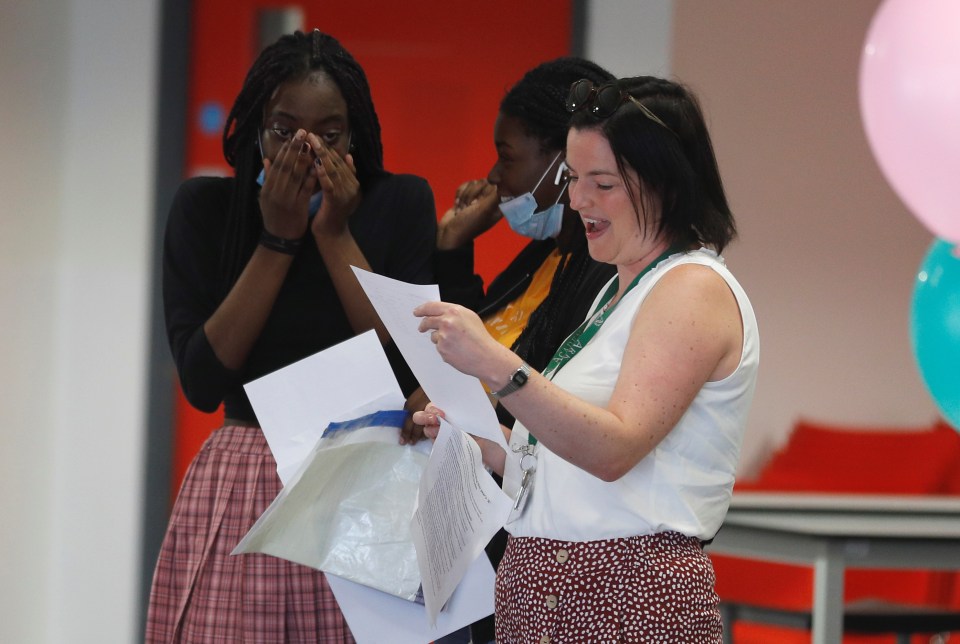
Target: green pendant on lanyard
579 338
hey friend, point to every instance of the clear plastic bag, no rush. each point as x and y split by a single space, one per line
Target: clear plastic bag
347 511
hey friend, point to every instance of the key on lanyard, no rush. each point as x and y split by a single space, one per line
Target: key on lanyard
528 464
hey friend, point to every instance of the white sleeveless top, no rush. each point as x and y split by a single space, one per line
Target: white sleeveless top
685 483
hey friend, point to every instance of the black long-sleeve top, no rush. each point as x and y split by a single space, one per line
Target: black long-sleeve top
394 226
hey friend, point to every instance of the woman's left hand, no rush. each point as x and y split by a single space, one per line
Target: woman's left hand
462 340
337 178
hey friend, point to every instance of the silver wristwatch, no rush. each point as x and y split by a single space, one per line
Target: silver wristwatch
517 379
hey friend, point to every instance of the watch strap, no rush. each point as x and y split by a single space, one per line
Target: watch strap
517 379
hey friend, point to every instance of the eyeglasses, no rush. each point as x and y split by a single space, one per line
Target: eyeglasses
604 100
281 134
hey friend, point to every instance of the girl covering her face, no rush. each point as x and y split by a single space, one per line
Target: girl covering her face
254 278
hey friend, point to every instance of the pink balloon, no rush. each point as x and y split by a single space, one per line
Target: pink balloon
910 103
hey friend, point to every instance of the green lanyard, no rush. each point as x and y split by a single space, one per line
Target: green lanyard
579 338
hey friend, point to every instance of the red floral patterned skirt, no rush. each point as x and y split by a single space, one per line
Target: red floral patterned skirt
201 593
657 588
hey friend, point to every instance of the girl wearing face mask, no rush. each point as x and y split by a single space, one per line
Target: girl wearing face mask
545 291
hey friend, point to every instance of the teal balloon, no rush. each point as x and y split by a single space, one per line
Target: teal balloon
935 327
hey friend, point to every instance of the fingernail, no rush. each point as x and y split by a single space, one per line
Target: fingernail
301 134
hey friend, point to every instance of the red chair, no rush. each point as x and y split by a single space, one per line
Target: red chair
771 602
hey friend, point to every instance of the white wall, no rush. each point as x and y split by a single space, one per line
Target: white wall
76 176
827 251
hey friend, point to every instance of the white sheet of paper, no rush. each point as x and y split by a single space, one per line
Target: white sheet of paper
296 403
375 617
459 509
461 397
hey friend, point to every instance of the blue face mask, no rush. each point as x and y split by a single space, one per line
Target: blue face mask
315 199
521 212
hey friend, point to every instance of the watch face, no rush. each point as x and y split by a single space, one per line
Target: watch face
520 378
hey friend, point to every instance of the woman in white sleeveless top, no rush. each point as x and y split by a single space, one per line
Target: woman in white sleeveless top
624 453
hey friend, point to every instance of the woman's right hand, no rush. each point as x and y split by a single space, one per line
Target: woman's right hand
429 419
464 342
474 212
289 180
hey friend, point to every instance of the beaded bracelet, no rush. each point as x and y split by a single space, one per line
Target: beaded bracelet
279 244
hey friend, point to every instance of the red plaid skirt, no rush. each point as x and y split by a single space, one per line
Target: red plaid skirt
657 588
201 593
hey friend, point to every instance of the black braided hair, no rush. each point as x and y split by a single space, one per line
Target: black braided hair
678 165
293 56
538 101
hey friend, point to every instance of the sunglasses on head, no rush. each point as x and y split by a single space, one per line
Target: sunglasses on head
604 100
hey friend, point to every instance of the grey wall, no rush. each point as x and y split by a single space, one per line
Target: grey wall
76 209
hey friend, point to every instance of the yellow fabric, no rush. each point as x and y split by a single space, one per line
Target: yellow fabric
506 324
